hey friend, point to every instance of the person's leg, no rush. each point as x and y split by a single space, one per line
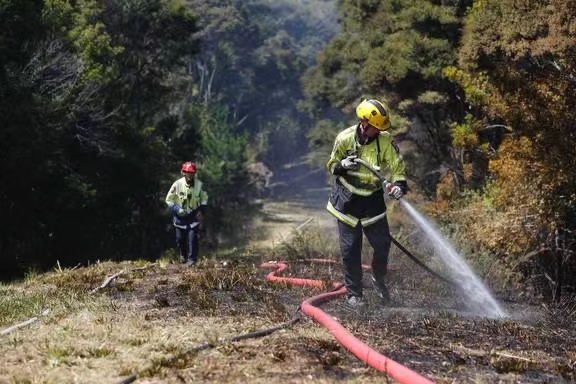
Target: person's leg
192 237
378 235
351 250
181 244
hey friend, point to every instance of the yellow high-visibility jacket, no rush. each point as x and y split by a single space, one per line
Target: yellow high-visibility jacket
381 153
190 198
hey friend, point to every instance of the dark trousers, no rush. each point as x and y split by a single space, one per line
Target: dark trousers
378 235
187 243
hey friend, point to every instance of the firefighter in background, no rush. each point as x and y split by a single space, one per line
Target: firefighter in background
357 197
187 201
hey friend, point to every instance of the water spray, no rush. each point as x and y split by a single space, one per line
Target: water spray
479 297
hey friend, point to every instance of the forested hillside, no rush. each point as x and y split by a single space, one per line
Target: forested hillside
102 100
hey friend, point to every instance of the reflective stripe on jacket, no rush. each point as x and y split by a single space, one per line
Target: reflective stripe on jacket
351 220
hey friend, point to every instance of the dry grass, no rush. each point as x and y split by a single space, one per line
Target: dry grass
151 321
141 320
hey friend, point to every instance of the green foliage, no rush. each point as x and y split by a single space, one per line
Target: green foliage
464 134
396 51
474 87
517 68
251 58
58 14
321 139
93 44
223 153
82 127
385 42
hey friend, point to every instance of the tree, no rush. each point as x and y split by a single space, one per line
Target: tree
396 51
252 55
516 67
90 88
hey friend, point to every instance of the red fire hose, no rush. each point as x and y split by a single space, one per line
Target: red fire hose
361 350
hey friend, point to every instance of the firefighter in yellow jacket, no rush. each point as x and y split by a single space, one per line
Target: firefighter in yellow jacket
357 197
187 201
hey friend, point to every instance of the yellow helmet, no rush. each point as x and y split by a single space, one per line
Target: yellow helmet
375 112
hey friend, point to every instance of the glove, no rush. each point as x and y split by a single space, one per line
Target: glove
350 163
396 190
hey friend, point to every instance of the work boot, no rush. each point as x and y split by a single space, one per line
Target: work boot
190 263
381 289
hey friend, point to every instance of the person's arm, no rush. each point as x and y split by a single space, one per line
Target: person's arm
392 159
334 165
203 204
201 212
172 199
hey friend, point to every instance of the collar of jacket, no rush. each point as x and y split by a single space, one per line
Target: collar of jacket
358 137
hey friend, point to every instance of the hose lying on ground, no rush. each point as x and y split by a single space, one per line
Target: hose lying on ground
362 351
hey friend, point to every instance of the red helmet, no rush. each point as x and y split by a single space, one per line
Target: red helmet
189 167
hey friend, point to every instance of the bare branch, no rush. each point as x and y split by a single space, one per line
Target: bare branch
111 278
107 281
24 323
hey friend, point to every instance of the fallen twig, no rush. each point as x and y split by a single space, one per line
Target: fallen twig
298 228
509 356
24 323
107 281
